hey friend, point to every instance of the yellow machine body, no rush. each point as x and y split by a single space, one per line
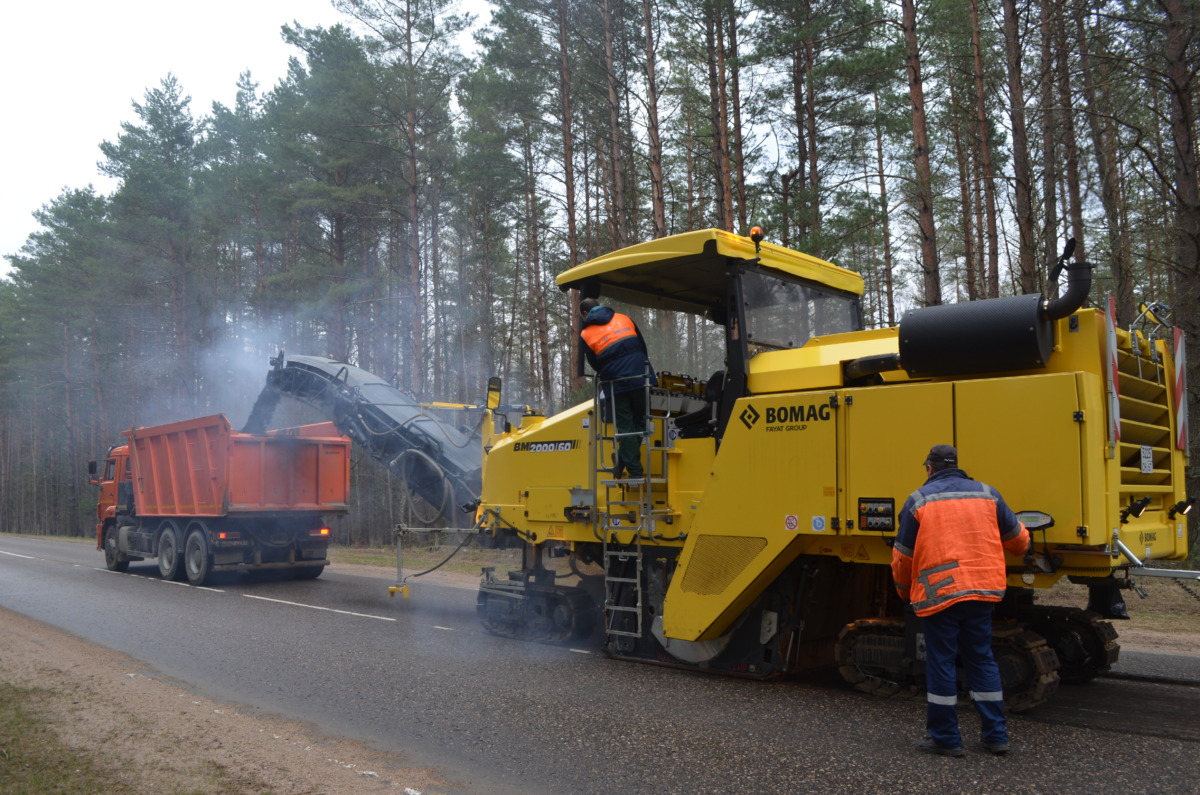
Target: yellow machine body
809 462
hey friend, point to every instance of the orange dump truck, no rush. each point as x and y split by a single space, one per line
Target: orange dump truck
203 498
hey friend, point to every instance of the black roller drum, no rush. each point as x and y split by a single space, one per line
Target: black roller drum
996 335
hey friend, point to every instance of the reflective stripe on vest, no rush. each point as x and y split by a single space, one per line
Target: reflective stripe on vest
598 338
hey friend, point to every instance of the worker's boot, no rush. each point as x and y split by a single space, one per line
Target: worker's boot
932 746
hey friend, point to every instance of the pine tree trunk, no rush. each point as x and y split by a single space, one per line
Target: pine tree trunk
1022 174
963 160
533 249
885 216
785 206
616 169
812 187
800 102
690 180
716 91
1104 150
566 111
725 165
658 204
735 100
985 159
416 347
1181 25
980 271
437 345
931 278
1050 137
70 428
1070 145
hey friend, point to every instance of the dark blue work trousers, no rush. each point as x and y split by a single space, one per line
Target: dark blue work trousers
629 409
964 629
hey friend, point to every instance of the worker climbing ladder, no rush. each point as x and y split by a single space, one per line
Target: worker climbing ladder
628 513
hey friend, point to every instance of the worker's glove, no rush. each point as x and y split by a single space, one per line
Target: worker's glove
1030 560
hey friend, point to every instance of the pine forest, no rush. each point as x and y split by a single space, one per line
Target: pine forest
405 197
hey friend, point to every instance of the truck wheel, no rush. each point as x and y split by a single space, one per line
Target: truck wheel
170 561
308 572
196 557
112 557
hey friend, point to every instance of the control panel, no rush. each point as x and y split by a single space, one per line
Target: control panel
877 513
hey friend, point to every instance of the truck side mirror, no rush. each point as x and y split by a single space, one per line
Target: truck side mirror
93 468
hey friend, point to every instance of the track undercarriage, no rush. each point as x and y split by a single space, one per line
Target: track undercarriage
1035 647
798 625
529 608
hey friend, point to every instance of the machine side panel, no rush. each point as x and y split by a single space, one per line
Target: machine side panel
555 451
1022 435
743 534
1097 469
889 430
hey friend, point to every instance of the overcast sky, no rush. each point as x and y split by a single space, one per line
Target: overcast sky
72 69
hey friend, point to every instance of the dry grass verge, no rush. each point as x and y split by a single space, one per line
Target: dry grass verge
80 719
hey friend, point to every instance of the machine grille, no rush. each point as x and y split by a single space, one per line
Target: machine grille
717 561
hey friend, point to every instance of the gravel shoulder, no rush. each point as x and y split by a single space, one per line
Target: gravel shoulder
157 736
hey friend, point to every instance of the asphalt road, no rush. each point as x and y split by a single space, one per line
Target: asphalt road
497 715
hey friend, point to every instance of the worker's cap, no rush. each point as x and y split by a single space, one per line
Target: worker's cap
942 454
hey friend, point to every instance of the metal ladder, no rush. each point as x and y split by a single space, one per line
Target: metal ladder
613 611
628 512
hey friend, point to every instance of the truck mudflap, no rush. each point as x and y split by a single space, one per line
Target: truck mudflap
877 656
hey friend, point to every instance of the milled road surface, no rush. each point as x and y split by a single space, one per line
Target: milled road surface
497 715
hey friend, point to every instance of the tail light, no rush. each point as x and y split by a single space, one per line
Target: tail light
227 536
321 533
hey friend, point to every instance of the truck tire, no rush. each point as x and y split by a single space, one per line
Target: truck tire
197 559
170 557
112 556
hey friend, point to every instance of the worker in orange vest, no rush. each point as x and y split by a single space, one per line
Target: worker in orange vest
948 563
615 349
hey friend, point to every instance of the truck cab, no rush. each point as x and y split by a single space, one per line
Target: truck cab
109 473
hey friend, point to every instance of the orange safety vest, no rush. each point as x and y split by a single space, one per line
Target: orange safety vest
598 338
960 551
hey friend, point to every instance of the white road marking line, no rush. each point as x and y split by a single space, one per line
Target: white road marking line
317 607
15 555
448 629
580 651
158 579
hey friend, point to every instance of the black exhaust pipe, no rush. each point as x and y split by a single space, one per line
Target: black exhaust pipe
1079 283
992 336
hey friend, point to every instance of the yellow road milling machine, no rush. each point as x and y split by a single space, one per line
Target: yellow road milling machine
759 540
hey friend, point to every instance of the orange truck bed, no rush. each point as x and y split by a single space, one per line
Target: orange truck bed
202 467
